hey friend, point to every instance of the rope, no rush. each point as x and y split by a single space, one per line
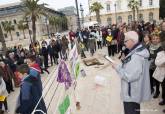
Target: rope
42 94
53 96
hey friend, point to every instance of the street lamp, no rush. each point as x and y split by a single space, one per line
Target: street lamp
27 22
115 12
78 17
89 10
82 14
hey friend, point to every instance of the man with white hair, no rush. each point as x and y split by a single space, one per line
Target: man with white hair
134 74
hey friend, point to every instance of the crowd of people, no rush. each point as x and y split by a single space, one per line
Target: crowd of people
24 66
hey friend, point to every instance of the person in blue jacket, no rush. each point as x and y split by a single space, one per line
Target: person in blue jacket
30 92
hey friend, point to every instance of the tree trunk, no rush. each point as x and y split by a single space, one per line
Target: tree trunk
138 14
11 36
34 29
2 40
56 28
24 34
98 17
133 15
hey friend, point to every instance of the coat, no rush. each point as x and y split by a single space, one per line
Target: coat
159 73
3 91
134 74
31 92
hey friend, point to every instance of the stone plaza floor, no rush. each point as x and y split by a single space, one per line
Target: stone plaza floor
93 99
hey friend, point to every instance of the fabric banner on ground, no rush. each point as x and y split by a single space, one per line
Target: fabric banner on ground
63 107
75 64
64 75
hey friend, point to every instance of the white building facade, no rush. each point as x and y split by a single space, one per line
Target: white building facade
118 10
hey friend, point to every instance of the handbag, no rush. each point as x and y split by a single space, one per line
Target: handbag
109 38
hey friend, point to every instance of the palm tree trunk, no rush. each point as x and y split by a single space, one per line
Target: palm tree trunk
137 14
134 15
2 40
34 29
24 34
98 17
56 28
11 36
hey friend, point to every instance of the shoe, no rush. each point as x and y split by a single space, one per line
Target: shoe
164 111
162 102
1 111
7 111
78 105
156 95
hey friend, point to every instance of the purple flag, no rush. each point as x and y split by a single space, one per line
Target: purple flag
64 75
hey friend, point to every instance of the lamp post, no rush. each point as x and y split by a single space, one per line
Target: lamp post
27 22
47 22
82 14
78 17
115 12
89 10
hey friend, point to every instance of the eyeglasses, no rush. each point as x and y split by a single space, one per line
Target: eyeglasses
126 41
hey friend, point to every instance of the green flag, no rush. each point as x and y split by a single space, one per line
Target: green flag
77 69
63 107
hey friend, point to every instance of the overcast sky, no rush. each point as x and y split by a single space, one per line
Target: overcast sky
56 4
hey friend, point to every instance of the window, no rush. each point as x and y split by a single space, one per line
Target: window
150 2
119 19
108 7
17 33
151 15
109 21
129 18
140 17
140 2
15 22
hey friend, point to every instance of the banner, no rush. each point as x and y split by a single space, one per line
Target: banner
64 75
75 64
63 107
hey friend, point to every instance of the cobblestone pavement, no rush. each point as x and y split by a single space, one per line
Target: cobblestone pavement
93 99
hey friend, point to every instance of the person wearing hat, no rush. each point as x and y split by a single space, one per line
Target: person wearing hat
134 74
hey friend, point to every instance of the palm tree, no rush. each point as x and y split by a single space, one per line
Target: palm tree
8 27
23 27
33 10
96 7
64 23
134 6
54 21
2 40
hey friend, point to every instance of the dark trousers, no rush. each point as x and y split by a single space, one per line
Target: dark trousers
157 84
99 44
131 108
111 50
119 47
4 103
151 80
9 86
104 41
52 58
163 89
45 60
85 41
